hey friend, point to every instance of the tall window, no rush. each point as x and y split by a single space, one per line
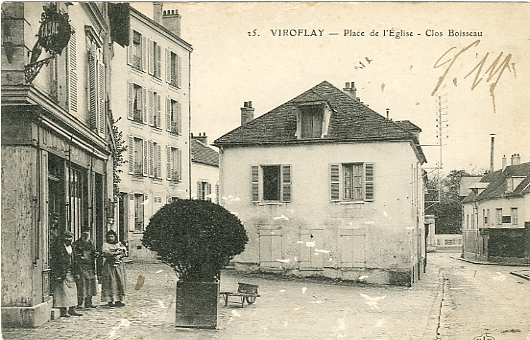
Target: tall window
515 219
174 164
312 118
96 80
155 159
173 116
173 73
155 59
137 98
204 191
271 183
155 107
498 216
137 51
352 182
138 212
137 157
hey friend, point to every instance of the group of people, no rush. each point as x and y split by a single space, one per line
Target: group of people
73 270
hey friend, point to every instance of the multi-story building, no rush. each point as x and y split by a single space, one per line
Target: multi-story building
496 215
56 159
153 74
326 186
204 169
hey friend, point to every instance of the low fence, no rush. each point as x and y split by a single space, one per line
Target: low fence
448 243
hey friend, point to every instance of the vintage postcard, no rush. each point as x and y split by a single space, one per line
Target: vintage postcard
269 170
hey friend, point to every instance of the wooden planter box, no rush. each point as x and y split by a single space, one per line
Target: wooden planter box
197 304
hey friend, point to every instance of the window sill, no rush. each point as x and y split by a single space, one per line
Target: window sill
271 203
349 202
136 69
137 123
174 87
156 79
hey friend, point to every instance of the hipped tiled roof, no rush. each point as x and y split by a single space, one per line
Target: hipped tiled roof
201 153
497 183
350 121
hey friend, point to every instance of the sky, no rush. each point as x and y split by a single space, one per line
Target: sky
241 53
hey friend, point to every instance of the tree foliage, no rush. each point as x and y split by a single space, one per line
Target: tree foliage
448 210
117 155
196 238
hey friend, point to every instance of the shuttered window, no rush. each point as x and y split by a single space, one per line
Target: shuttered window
174 164
138 156
351 182
173 68
173 116
271 183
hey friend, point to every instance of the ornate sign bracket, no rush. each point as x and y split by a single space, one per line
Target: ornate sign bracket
53 36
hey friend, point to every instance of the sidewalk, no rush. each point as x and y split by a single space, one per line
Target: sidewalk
286 309
523 273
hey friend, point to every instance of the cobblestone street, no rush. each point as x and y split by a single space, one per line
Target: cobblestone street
287 309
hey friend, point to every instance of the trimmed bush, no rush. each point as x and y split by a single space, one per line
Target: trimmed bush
196 238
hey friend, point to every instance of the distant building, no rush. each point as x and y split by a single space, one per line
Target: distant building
152 75
496 215
326 186
204 169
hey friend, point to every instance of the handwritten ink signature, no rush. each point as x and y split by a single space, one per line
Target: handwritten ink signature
362 65
496 69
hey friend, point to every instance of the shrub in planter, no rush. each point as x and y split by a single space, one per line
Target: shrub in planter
197 239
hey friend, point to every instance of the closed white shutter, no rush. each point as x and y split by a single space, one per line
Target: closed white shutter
145 159
286 183
168 114
144 105
168 163
158 113
151 159
72 72
150 110
199 190
179 118
369 181
130 100
151 56
158 161
179 71
144 54
255 183
101 98
179 168
334 171
130 150
92 91
168 65
158 53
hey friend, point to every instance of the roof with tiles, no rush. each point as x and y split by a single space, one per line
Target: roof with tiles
203 154
350 121
497 183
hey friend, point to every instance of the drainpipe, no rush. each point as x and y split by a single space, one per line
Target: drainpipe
189 124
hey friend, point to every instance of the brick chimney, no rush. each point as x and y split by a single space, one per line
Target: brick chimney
350 89
504 162
516 159
171 21
247 113
157 12
201 137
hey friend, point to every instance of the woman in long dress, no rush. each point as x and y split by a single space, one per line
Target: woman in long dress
113 276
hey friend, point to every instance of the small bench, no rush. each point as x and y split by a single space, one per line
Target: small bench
245 291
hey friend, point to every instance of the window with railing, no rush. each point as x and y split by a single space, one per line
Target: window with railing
173 68
174 164
174 117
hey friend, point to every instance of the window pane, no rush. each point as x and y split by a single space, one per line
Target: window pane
271 183
312 117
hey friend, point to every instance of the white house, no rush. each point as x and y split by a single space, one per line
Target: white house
326 186
153 76
204 169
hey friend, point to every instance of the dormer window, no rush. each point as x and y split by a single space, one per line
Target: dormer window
513 182
312 117
313 120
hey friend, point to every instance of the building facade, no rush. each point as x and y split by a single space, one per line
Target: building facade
326 186
153 113
204 169
496 216
56 144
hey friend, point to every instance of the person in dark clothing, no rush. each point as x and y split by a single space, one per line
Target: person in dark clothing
85 256
63 270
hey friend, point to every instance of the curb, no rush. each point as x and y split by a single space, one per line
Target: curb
491 263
